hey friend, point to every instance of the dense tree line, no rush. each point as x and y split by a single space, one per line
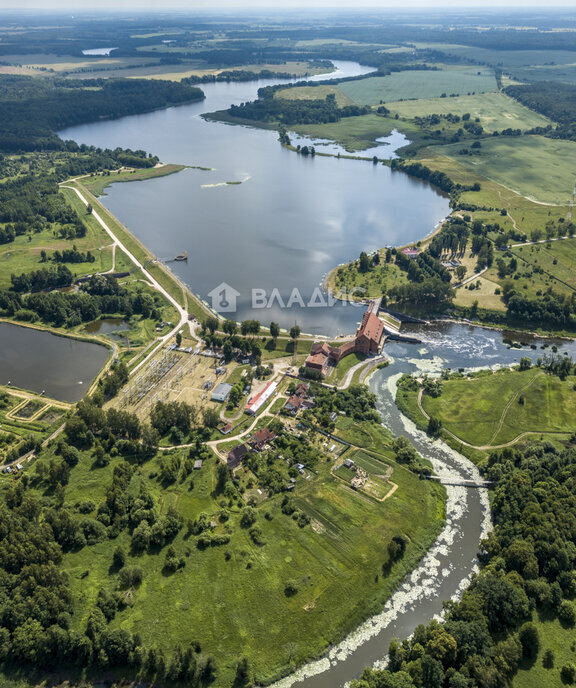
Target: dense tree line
101 295
270 109
44 278
554 100
32 110
528 563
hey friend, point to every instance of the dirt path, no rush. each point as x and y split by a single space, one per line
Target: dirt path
486 447
509 404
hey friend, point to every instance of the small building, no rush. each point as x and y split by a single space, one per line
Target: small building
256 403
302 390
197 464
261 438
221 392
236 455
333 416
226 428
348 463
411 253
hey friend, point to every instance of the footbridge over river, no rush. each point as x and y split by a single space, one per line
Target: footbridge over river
462 482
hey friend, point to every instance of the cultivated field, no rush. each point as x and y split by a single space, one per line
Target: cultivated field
495 110
419 84
536 167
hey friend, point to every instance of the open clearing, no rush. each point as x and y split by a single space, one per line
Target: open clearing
495 110
419 84
335 563
314 93
533 166
487 411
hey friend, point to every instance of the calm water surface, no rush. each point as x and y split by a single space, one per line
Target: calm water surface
39 361
283 222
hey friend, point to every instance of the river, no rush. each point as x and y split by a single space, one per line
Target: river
262 218
446 569
289 220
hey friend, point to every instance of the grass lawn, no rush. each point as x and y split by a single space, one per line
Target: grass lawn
419 84
353 133
496 110
333 561
534 166
486 410
485 295
559 639
341 370
347 279
97 183
371 436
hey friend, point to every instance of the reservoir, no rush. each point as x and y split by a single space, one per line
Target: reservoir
60 367
263 219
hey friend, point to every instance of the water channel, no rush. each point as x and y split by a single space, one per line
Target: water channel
289 221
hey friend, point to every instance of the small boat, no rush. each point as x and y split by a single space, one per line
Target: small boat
182 256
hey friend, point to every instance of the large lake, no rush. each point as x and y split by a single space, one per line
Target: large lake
290 221
284 226
60 367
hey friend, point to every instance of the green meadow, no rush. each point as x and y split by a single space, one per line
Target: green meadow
419 84
231 598
496 111
498 408
533 166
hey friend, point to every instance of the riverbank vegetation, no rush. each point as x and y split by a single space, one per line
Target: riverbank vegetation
493 408
122 537
526 581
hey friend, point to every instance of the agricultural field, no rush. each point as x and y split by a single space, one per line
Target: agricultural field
314 93
496 111
498 408
419 84
331 562
539 168
375 478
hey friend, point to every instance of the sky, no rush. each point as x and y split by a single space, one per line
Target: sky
162 5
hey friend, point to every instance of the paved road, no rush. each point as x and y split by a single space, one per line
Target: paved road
183 313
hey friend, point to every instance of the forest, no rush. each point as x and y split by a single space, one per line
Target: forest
528 571
33 110
101 295
559 104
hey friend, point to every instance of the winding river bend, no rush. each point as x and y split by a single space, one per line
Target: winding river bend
288 221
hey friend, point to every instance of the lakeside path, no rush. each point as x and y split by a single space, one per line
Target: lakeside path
182 312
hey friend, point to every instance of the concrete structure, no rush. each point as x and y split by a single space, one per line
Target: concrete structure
221 392
368 341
